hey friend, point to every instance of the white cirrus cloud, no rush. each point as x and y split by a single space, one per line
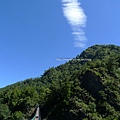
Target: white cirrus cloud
77 19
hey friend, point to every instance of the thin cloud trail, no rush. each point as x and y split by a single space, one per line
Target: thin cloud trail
77 19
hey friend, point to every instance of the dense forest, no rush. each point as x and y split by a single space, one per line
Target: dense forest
84 88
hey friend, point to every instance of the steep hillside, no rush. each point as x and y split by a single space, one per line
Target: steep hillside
85 88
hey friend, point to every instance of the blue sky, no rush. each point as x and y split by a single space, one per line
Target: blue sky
33 34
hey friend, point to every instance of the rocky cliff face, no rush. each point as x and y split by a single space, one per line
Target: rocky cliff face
92 83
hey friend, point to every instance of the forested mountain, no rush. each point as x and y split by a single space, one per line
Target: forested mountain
85 88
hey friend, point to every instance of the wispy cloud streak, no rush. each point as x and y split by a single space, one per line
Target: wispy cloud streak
77 19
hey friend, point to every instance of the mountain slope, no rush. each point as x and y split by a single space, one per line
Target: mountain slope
85 88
